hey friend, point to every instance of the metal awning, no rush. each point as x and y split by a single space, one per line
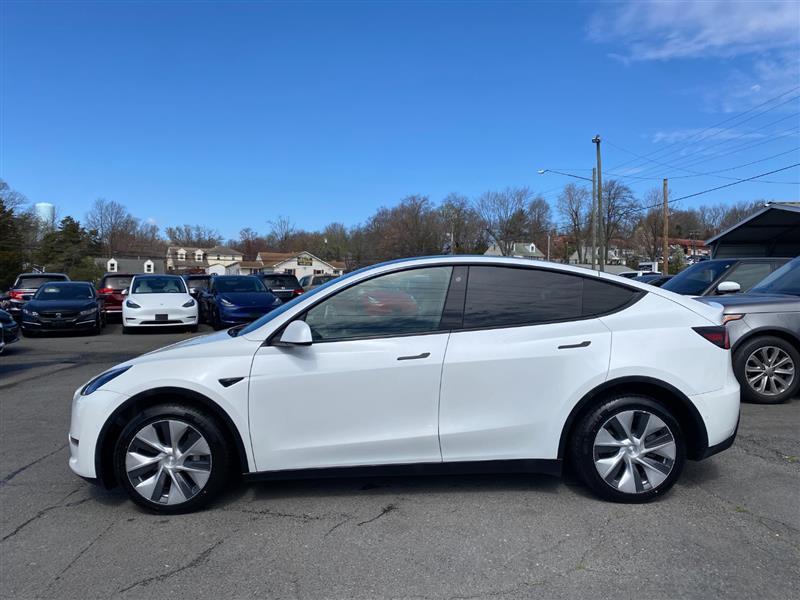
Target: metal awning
772 231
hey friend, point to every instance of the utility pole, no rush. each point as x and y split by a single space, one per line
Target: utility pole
665 235
596 140
548 246
594 218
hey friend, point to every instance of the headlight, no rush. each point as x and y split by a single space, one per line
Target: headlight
29 312
102 379
131 304
225 302
188 304
88 311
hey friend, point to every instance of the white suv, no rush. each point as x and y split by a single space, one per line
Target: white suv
438 364
158 301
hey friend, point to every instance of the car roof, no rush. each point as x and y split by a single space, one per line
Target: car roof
41 275
121 274
155 276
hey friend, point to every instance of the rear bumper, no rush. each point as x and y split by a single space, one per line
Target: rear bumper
720 413
717 448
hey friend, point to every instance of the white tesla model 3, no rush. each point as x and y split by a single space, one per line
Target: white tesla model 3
439 364
158 301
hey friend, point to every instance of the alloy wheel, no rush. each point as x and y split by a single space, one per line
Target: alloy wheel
634 451
769 370
168 462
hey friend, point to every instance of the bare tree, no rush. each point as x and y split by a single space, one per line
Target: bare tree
504 217
281 233
112 222
574 205
197 236
620 210
463 227
540 221
650 228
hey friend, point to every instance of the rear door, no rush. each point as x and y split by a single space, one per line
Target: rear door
522 359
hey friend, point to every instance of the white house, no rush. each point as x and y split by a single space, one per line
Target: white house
185 259
142 264
519 250
298 264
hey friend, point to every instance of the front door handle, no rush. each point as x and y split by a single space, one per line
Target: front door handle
580 345
414 357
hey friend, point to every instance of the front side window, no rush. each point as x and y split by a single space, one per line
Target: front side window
694 280
389 305
785 280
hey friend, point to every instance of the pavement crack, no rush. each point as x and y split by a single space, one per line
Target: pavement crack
335 527
24 468
386 510
46 510
304 517
197 560
96 539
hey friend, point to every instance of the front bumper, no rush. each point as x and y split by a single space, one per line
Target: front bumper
89 414
235 316
80 324
150 317
10 332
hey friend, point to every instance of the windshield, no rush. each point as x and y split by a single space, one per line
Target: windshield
67 291
35 282
116 283
200 283
233 285
785 280
695 280
289 281
158 285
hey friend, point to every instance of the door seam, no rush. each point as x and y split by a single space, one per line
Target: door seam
439 404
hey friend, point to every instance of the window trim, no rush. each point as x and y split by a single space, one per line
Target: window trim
636 296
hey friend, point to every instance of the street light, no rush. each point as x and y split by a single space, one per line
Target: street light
543 171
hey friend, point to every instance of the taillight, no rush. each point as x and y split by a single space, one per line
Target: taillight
297 291
105 291
717 335
16 295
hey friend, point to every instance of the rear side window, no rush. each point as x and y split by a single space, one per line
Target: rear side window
505 296
749 274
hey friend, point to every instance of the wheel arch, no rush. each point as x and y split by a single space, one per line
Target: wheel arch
772 330
113 426
684 411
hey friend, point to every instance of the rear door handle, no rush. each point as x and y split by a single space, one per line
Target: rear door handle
581 345
414 357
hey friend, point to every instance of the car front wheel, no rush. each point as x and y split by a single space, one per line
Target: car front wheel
766 368
628 449
172 458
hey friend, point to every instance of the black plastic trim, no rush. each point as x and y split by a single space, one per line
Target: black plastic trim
526 465
717 448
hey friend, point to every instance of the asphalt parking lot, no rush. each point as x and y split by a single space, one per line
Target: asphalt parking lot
729 529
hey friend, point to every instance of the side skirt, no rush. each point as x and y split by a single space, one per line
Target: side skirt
534 465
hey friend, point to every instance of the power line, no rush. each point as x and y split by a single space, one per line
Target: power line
795 149
729 119
719 187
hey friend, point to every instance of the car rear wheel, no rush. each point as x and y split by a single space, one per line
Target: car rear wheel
628 449
767 370
172 459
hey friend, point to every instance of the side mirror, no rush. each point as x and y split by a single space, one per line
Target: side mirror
125 292
297 333
728 287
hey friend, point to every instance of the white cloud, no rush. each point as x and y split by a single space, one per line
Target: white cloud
715 133
670 30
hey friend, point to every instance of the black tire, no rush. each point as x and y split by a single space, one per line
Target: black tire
192 329
216 324
220 464
743 354
125 330
98 326
582 448
28 333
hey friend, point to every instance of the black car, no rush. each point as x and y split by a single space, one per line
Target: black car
9 329
722 276
283 285
764 331
655 279
63 306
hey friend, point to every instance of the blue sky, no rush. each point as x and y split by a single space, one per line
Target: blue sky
230 114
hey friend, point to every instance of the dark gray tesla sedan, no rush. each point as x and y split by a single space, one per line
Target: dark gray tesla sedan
764 330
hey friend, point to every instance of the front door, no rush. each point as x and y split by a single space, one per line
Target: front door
366 392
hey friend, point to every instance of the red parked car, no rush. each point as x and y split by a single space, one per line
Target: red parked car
110 290
25 287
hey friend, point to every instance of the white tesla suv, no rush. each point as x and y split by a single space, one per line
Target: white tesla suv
158 301
439 364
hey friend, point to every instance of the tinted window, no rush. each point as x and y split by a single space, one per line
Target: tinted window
55 291
200 283
33 282
394 304
116 283
158 285
280 281
694 280
749 274
503 296
232 285
500 296
320 279
785 280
